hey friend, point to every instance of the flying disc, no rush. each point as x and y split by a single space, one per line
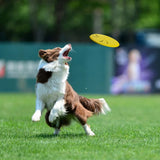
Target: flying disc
104 40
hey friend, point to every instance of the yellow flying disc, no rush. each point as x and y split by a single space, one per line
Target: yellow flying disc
104 40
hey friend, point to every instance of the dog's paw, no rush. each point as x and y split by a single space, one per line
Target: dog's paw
56 132
52 117
36 116
91 133
88 130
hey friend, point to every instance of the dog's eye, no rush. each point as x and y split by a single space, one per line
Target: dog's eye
46 57
55 56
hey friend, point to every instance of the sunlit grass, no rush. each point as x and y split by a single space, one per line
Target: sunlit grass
131 131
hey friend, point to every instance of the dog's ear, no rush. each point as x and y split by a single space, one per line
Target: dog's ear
42 52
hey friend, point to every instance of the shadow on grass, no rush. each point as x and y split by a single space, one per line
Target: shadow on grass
63 135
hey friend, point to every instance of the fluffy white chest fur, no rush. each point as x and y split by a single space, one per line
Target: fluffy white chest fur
50 91
56 84
50 95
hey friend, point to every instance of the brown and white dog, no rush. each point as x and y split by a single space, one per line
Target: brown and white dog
54 93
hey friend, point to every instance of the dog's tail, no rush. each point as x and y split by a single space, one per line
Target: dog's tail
95 105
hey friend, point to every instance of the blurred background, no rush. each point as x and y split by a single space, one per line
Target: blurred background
29 25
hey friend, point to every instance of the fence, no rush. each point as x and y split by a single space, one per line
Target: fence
91 68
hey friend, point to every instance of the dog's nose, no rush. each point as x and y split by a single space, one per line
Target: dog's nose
69 45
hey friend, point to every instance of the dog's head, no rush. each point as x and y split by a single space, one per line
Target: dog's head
60 54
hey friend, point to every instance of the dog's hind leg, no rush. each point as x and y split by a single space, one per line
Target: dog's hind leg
82 115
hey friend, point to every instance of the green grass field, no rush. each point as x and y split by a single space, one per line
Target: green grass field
130 132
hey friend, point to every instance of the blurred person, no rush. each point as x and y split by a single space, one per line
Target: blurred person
130 80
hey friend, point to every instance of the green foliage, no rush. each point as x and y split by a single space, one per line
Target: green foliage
129 132
149 15
56 20
15 19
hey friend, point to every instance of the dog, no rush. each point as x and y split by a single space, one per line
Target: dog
54 93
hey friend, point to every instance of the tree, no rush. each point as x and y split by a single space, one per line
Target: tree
74 20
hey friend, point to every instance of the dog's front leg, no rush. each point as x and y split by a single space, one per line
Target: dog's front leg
39 109
57 110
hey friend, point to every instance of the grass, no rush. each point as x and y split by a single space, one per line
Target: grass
130 132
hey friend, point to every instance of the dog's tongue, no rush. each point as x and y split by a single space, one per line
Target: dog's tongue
65 54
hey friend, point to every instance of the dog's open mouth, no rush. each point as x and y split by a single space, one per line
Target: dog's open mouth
65 54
